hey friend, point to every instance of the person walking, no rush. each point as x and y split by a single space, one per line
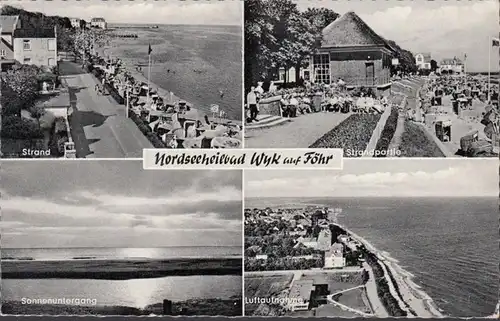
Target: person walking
252 104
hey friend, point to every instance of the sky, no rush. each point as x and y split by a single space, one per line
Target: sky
443 28
371 178
117 204
227 12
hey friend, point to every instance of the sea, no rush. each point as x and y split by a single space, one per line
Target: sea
137 293
194 62
449 245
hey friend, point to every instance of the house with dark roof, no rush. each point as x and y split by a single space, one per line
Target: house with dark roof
423 60
451 65
36 46
350 50
98 23
8 24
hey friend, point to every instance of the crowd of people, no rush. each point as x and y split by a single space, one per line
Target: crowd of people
174 121
312 98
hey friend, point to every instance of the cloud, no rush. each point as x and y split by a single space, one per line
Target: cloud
459 179
144 12
445 31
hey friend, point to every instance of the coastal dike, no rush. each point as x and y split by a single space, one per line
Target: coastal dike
401 290
119 269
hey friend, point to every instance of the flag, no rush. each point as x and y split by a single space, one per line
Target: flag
495 42
149 49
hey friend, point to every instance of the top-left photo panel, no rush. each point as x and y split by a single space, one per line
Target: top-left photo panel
100 79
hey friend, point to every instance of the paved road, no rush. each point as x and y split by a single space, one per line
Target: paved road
346 269
372 294
98 125
301 132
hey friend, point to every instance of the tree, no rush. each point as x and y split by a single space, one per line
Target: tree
19 88
434 65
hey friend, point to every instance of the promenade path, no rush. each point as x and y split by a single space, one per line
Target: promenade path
99 126
372 294
306 272
301 132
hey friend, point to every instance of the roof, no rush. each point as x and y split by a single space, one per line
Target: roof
98 20
35 33
301 289
336 250
351 31
8 23
426 55
451 61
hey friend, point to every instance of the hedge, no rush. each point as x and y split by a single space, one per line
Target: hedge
15 127
146 131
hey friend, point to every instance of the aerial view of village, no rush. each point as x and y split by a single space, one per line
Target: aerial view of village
385 79
102 80
376 239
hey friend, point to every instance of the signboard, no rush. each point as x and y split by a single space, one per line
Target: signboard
395 61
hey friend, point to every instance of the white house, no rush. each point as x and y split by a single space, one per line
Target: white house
75 22
36 46
262 257
423 61
454 65
299 296
324 240
334 258
308 242
98 23
8 24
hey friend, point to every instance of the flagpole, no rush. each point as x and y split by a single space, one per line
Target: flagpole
489 66
149 74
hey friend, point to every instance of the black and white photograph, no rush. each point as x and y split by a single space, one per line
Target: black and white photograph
107 238
99 79
377 79
400 238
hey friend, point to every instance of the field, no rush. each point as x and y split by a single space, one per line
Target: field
354 299
352 134
260 286
330 310
335 281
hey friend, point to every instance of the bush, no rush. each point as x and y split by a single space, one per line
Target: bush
352 134
114 93
146 131
388 132
15 127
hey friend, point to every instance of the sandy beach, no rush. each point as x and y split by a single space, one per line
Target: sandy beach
119 269
412 295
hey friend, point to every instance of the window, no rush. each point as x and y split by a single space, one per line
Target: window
321 67
2 53
52 44
27 60
51 62
26 44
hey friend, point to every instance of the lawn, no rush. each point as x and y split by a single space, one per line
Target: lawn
354 299
352 135
330 310
416 143
260 286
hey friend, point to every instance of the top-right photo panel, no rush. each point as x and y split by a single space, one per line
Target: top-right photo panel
377 79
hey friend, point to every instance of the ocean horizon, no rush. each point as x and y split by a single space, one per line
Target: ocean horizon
449 245
110 253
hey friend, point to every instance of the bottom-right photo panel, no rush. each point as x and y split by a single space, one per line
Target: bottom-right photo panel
379 238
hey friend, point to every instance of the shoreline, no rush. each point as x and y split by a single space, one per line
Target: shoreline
412 296
129 65
119 269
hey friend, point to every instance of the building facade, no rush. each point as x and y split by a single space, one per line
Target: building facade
334 258
9 24
98 23
455 66
423 61
75 22
350 50
36 47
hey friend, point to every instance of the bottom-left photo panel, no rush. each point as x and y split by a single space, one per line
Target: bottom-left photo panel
109 238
